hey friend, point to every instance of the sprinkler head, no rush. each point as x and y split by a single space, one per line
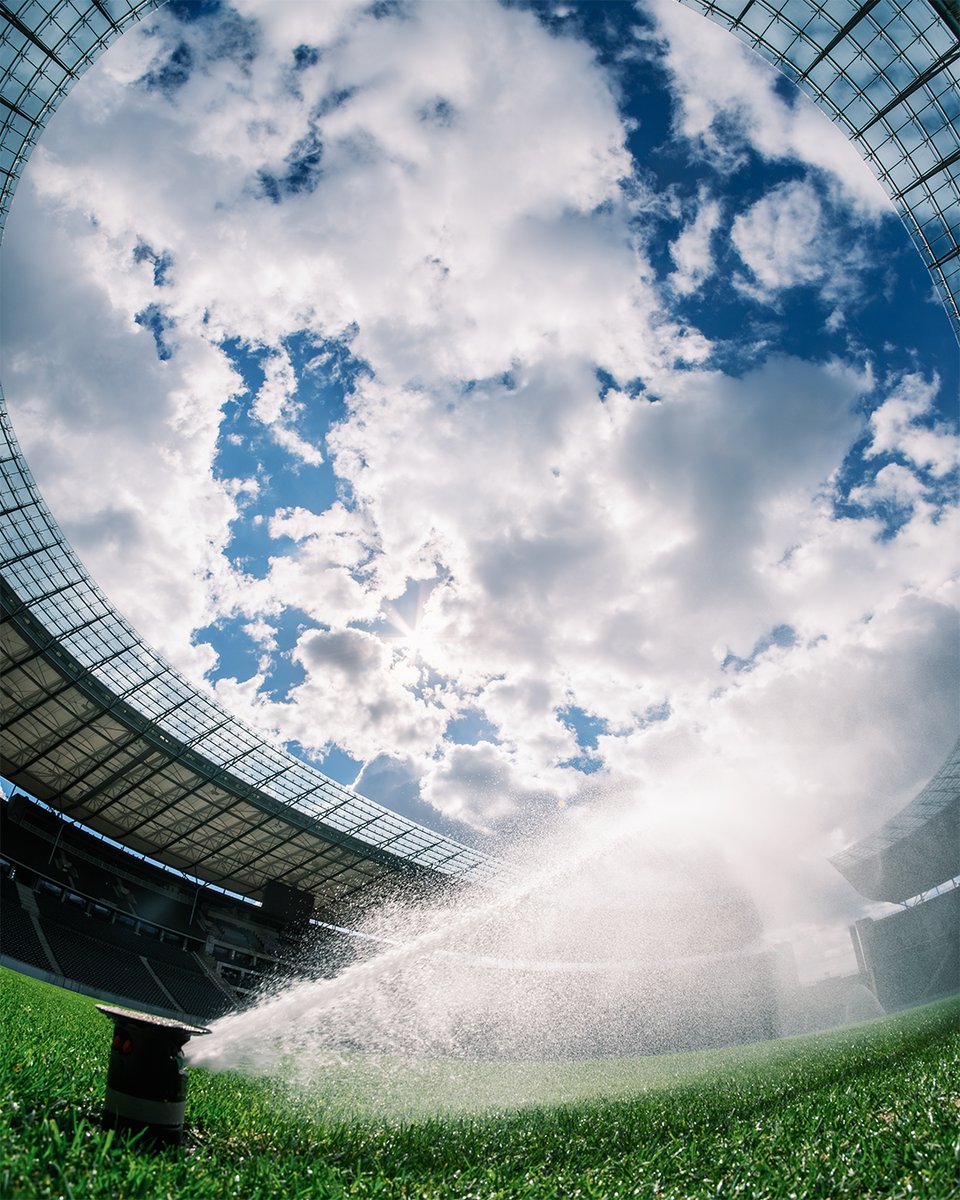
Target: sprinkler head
147 1078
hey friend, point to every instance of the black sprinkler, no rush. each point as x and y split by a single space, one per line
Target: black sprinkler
147 1077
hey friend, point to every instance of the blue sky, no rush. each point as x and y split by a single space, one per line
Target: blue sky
501 404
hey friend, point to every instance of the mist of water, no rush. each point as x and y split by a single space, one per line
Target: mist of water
621 933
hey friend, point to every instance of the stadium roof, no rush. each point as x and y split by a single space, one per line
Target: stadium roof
914 851
96 724
888 73
100 727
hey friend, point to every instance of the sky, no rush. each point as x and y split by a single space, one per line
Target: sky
505 406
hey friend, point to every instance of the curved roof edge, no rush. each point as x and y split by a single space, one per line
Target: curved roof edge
47 47
916 850
889 76
886 74
175 755
75 672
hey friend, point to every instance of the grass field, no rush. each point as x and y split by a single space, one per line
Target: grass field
870 1111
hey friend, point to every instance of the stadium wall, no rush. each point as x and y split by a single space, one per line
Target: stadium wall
912 956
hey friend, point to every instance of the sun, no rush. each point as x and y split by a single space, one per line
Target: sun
412 625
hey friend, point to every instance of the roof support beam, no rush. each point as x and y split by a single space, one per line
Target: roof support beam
91 793
944 61
948 257
743 12
13 108
79 726
942 165
22 714
100 6
949 13
19 664
28 33
841 34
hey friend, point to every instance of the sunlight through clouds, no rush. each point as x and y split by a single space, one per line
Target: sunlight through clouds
513 404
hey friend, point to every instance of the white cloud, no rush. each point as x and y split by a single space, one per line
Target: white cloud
276 408
902 425
120 441
691 251
779 237
478 782
720 82
466 232
786 240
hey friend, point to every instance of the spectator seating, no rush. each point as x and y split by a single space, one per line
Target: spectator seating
18 937
105 912
109 968
193 992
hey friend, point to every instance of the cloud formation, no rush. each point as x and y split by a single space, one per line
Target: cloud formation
729 100
370 342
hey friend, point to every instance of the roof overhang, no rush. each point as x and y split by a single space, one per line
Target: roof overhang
77 745
914 851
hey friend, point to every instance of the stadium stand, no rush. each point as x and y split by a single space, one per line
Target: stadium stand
159 940
912 956
913 860
18 935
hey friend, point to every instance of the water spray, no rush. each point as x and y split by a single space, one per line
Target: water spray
618 933
146 1078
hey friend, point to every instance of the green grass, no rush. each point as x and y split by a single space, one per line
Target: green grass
868 1112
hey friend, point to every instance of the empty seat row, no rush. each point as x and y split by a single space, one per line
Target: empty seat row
194 993
18 937
107 968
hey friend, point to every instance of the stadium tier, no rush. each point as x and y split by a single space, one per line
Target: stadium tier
913 955
916 850
81 912
98 727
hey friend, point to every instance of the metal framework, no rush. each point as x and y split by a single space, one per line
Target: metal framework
888 73
915 851
99 726
45 48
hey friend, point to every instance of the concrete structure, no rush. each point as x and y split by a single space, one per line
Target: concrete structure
913 955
